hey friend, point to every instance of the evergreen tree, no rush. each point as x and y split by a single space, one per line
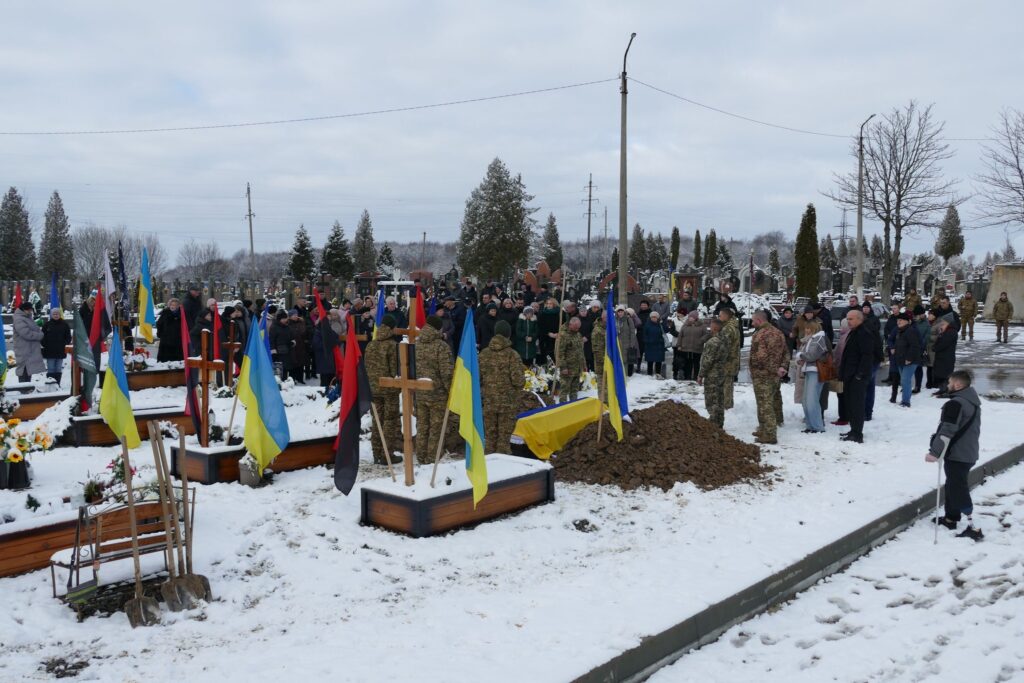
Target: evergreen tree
1009 254
843 254
302 260
651 246
950 242
877 252
827 254
615 259
17 252
336 259
774 266
724 261
711 250
806 254
386 260
637 249
497 227
552 252
56 254
364 251
696 249
673 249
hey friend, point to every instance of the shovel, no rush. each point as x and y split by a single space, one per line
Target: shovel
199 584
140 610
174 591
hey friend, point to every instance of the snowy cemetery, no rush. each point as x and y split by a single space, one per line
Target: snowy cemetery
233 512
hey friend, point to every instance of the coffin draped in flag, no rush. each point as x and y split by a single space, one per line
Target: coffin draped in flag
266 424
355 402
464 400
115 405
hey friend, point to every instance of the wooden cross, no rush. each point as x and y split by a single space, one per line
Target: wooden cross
410 332
205 366
408 385
76 379
232 347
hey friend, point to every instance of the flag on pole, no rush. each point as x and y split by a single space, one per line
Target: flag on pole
122 300
17 297
380 311
614 376
266 424
433 305
96 334
115 406
54 293
421 315
108 282
265 333
147 316
217 327
355 402
192 408
85 358
464 401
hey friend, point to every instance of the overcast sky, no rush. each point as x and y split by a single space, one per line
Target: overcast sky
820 66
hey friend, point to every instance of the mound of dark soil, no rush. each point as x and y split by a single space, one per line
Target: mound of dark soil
666 443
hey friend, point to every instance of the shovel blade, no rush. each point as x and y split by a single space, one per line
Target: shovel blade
142 612
82 592
199 585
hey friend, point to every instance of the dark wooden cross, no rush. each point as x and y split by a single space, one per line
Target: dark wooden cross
408 385
76 379
231 347
205 367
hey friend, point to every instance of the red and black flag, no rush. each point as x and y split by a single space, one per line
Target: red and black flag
192 408
355 402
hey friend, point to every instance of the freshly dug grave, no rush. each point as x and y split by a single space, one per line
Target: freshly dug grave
666 443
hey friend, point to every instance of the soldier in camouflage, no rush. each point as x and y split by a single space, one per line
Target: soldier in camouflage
571 361
597 343
714 371
433 362
769 360
501 387
731 332
968 307
381 360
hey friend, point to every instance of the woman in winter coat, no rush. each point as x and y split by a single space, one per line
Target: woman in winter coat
654 343
303 338
906 356
507 312
689 347
27 338
625 332
929 348
282 347
56 337
526 335
326 337
814 346
945 355
785 324
547 321
168 330
642 316
485 325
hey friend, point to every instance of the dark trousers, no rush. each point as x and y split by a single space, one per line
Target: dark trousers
930 383
653 368
958 493
918 374
869 393
685 364
841 406
854 397
546 349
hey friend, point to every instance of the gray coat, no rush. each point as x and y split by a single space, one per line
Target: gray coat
664 309
27 344
957 412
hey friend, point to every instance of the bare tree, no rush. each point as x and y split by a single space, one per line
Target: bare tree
157 254
1002 185
90 243
201 262
903 185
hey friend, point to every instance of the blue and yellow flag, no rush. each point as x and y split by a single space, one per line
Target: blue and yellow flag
464 401
266 424
614 375
54 295
380 312
147 316
115 406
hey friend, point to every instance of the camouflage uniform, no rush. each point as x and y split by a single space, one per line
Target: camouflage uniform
968 308
730 334
1002 313
597 342
714 371
911 302
381 359
501 386
571 362
433 362
768 352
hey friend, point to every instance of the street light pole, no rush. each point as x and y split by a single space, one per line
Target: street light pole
623 238
858 275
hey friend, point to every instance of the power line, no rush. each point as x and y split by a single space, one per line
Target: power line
308 119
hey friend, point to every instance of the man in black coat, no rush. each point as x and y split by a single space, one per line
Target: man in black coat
945 355
855 373
873 325
825 318
192 305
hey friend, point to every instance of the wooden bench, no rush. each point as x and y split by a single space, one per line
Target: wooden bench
103 535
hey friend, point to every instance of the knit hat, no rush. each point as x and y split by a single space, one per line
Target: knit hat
25 306
595 304
434 322
919 310
491 306
294 312
503 328
948 318
906 315
388 321
808 309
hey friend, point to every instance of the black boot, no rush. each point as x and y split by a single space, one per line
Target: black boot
892 398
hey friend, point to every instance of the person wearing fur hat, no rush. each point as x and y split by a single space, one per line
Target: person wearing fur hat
501 386
433 362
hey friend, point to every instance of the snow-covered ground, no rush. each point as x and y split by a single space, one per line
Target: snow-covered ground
908 611
303 591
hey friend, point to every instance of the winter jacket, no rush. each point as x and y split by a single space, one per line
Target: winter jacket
952 316
192 307
768 352
485 330
27 348
825 318
968 307
547 320
302 337
692 337
509 315
727 303
911 302
526 327
501 374
56 336
873 325
196 335
1002 311
434 362
929 347
786 327
890 330
960 422
168 330
664 309
687 305
401 321
813 349
945 354
907 348
282 345
654 342
325 339
858 355
625 332
381 360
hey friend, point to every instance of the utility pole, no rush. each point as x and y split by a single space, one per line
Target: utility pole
590 201
423 249
623 237
858 274
252 250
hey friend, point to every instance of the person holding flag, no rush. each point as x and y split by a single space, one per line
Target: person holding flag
614 384
266 424
464 400
147 315
115 404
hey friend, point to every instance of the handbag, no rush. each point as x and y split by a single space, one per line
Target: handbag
826 369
